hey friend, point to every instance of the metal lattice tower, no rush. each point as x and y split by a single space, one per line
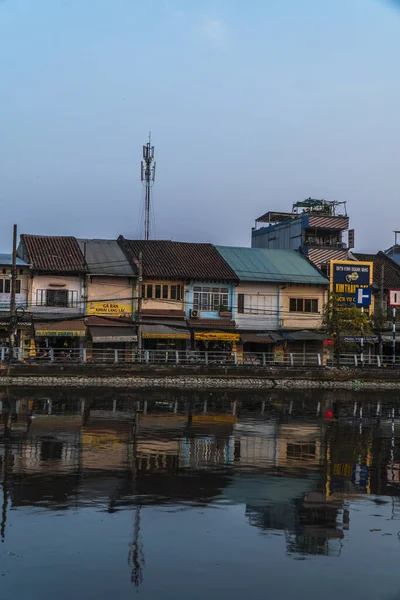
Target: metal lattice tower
148 174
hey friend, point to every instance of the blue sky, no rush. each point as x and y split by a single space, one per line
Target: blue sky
252 106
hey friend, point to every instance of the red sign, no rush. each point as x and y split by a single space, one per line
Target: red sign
328 342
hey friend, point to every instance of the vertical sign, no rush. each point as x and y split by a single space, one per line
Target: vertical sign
351 243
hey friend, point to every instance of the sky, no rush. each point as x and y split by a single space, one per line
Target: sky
252 106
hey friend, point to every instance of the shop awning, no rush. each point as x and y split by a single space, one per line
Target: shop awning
104 335
208 336
305 336
257 338
76 328
175 331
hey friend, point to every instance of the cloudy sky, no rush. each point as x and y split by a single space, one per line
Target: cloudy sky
252 106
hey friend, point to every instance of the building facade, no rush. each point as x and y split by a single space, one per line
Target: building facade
56 290
279 299
318 228
187 294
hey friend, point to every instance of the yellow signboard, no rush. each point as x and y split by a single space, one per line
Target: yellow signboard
167 336
52 333
109 309
209 336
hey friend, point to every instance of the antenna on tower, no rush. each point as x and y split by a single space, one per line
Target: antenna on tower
148 175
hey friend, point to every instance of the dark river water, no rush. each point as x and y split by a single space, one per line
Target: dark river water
174 495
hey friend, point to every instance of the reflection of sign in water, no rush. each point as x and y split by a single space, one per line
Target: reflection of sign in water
360 475
342 470
109 309
346 276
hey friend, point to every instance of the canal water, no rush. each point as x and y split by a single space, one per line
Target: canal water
174 495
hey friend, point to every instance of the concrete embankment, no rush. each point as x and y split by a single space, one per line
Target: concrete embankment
195 377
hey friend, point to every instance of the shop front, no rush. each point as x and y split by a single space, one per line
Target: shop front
165 336
111 343
260 342
216 341
63 337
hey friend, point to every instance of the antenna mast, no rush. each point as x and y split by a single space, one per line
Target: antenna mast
148 175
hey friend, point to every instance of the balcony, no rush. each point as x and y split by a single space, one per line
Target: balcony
319 242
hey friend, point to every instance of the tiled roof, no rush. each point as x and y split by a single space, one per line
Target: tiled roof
391 275
53 254
178 260
105 257
263 265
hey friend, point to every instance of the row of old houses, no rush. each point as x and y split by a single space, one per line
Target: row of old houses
87 294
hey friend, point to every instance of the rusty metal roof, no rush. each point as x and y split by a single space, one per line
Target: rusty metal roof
178 260
52 254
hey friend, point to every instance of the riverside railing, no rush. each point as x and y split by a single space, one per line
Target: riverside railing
187 357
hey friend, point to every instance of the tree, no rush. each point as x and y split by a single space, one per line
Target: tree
340 321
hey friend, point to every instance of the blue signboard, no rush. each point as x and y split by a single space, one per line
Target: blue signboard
363 297
346 277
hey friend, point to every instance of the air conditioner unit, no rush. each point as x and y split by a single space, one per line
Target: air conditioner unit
194 314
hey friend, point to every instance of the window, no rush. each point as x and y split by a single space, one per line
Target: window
301 451
18 286
163 292
7 286
175 292
210 298
57 298
307 305
240 303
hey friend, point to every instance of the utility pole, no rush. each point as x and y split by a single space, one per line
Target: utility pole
381 309
139 309
13 308
148 175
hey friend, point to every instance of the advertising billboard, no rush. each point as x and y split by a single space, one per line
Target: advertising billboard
346 276
109 309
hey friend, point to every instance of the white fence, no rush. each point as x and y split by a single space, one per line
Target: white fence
182 357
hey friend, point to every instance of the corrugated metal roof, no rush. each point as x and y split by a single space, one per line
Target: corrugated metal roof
323 256
105 257
54 254
178 260
259 264
6 260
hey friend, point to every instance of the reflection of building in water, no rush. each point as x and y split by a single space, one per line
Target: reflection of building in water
300 446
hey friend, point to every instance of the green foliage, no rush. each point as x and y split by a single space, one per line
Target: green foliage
340 321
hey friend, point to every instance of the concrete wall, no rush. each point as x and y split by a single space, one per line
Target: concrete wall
302 320
104 291
44 282
261 304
